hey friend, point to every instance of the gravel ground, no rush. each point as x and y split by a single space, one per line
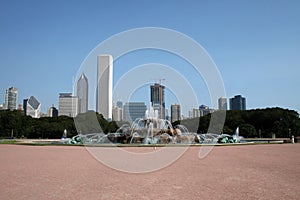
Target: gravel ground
228 172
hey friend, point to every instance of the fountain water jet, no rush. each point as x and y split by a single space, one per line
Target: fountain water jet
153 130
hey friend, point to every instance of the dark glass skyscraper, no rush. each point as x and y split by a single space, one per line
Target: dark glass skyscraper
158 99
134 110
238 103
82 93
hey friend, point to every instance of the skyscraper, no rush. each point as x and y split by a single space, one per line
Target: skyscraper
195 112
238 103
104 85
67 105
52 112
11 98
175 112
158 99
82 93
32 107
205 110
134 110
117 113
222 103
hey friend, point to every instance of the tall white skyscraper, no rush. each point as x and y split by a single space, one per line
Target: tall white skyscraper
104 85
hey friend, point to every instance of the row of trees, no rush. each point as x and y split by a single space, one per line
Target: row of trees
251 123
19 125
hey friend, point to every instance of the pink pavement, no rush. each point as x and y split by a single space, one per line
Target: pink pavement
228 172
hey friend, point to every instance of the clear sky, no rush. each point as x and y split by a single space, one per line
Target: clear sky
255 44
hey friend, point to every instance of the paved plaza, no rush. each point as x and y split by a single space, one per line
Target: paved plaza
228 172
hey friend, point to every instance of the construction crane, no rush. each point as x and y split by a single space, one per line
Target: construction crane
159 79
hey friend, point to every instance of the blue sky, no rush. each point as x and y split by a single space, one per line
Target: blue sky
255 44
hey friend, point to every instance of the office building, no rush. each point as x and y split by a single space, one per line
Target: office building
222 101
11 98
158 99
238 103
104 85
52 111
82 94
167 116
32 107
134 110
195 112
67 105
117 114
175 112
205 110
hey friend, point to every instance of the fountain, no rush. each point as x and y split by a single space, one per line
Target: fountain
153 130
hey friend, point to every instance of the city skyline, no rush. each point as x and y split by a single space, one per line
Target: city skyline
254 45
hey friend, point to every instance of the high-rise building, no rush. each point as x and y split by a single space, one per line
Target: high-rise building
25 105
11 98
32 107
134 110
167 116
117 113
195 112
238 103
52 111
67 105
82 93
158 99
104 85
175 113
222 101
204 110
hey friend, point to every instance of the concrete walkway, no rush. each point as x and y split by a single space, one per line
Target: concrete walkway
228 172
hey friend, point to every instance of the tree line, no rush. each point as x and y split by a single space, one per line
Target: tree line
17 124
251 123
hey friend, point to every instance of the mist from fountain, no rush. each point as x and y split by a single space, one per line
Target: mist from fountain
153 130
